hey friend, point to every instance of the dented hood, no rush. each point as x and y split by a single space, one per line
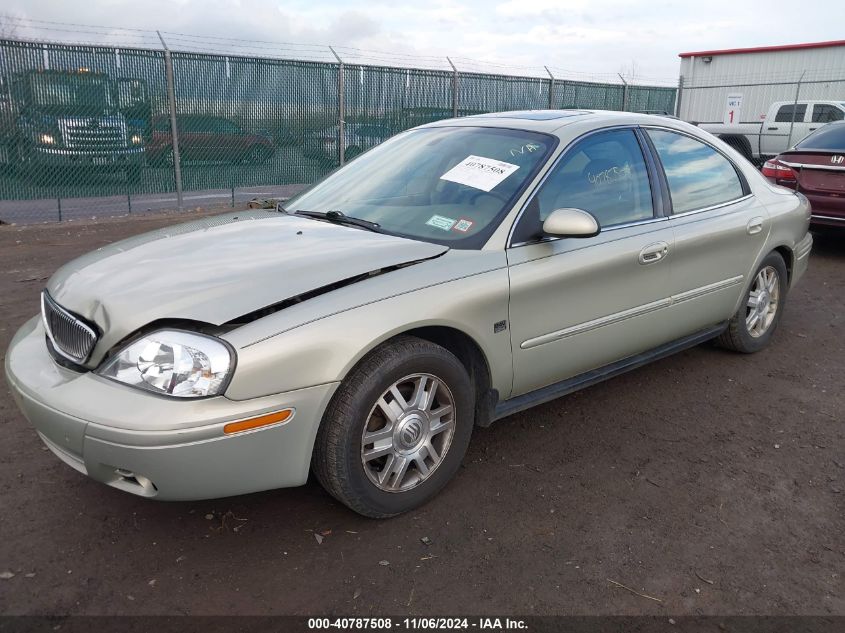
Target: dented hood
217 269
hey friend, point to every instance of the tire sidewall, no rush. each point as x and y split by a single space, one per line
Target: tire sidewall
367 390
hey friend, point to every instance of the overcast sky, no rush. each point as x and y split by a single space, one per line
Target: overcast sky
597 37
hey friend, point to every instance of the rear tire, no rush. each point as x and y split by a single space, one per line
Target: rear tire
753 325
740 145
416 441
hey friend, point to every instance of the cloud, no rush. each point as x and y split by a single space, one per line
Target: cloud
590 37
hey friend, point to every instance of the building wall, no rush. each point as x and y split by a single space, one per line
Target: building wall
762 78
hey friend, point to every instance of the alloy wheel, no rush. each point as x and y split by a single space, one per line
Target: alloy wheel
763 302
408 432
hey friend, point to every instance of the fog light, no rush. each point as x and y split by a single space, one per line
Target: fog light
47 139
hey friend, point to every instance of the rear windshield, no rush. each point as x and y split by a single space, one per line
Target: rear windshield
829 137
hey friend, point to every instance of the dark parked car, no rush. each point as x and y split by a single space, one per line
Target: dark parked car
204 137
322 145
816 167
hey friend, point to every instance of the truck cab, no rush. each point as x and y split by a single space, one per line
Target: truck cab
787 122
780 127
73 118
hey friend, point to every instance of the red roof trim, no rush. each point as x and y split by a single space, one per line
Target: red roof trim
765 49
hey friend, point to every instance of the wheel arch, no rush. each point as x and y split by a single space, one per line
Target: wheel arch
467 350
788 258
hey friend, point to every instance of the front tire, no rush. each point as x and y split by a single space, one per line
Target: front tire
753 325
397 429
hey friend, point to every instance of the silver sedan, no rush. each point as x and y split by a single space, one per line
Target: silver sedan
455 274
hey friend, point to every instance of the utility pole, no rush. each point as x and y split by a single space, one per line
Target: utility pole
341 109
794 109
624 93
454 88
551 88
174 131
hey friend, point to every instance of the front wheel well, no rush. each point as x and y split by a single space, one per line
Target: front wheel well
472 358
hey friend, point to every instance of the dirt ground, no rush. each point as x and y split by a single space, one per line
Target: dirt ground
711 482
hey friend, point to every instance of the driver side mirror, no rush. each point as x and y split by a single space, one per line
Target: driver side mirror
571 223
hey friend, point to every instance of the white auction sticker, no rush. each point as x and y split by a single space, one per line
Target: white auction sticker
441 222
479 172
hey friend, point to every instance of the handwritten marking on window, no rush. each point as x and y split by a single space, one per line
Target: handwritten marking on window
609 175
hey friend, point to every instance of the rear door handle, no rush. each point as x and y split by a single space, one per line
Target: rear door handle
774 127
754 226
653 253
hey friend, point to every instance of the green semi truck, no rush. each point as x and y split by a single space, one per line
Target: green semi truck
53 120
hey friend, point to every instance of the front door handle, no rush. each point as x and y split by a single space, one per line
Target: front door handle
754 226
654 253
774 127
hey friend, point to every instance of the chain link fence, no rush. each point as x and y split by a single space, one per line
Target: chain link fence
93 130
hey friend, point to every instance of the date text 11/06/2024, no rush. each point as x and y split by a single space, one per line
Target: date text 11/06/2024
436 624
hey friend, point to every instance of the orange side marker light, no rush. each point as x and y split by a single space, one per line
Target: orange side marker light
261 420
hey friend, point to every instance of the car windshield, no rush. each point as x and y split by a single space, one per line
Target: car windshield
449 185
829 137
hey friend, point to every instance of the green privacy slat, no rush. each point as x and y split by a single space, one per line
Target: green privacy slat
74 121
91 124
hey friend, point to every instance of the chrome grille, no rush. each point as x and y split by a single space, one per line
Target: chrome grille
71 337
93 134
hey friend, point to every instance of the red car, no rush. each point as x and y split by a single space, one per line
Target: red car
206 138
816 167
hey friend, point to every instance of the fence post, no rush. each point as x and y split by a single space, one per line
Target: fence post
341 110
624 93
551 88
678 94
454 88
794 108
174 131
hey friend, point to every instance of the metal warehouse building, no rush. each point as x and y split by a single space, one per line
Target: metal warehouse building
813 71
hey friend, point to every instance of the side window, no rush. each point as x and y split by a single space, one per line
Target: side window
791 112
697 174
604 174
825 113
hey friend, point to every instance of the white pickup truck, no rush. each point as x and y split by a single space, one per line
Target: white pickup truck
786 123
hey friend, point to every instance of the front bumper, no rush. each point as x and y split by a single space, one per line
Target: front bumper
155 446
103 159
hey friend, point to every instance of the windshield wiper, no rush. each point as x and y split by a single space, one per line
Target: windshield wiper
338 217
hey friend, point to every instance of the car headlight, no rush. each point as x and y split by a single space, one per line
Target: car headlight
46 139
173 363
136 139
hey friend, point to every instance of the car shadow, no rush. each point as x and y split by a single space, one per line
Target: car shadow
829 242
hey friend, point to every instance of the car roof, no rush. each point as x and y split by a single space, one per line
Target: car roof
550 121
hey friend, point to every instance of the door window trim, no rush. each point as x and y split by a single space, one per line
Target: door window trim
659 209
743 181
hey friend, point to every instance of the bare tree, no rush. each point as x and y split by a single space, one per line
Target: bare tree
8 25
630 71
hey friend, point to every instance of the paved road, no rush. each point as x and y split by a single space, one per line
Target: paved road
52 210
710 481
68 195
